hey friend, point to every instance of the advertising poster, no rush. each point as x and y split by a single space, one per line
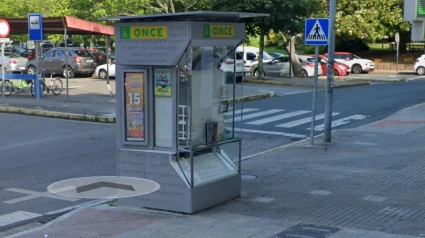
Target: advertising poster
163 82
135 106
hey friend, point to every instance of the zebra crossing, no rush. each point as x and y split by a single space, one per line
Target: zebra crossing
284 122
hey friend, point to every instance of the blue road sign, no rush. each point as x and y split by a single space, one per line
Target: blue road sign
35 27
316 31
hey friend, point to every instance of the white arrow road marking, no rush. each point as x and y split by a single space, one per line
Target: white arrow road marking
340 122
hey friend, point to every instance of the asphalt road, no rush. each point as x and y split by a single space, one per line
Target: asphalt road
36 152
291 114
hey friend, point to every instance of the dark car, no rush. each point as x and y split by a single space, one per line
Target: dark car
80 61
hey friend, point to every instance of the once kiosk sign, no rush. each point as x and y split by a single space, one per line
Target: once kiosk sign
219 31
144 32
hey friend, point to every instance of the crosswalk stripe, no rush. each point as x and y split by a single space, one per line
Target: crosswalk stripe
245 110
340 122
277 118
304 120
253 115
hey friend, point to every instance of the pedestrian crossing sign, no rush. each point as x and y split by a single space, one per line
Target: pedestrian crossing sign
316 31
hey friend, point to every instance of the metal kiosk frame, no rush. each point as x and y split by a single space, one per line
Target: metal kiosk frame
175 88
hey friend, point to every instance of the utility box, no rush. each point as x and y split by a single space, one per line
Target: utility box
175 111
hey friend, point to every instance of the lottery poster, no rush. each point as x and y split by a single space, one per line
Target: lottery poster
135 106
162 82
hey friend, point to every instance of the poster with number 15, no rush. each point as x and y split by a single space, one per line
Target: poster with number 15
135 106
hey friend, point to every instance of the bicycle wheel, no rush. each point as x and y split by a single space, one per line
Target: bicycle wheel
57 86
32 89
8 87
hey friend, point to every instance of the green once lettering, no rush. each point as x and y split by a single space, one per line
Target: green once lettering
145 32
228 31
221 31
160 33
137 32
215 31
153 30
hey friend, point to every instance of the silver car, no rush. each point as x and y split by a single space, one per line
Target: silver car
280 67
16 61
13 62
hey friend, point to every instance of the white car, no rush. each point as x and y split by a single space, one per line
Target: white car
356 63
250 57
101 71
307 65
420 65
228 66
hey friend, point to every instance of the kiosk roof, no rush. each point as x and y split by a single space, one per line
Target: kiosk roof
189 16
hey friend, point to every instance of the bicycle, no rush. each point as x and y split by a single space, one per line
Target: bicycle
12 86
55 85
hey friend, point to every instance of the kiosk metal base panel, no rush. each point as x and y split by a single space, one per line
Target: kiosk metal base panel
175 193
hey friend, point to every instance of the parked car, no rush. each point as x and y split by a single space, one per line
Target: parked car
228 67
101 70
357 64
340 69
47 45
16 61
250 57
307 65
276 55
281 67
7 65
80 61
420 65
15 49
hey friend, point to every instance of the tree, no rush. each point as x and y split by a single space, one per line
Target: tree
286 16
172 6
371 19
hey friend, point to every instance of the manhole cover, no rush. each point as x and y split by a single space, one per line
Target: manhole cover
308 230
248 176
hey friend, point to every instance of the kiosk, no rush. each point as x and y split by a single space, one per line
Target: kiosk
175 89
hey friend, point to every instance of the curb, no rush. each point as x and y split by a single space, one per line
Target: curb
52 214
254 97
304 85
367 80
54 114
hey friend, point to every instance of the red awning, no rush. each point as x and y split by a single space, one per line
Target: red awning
57 25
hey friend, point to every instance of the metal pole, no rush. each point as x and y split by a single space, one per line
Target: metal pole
397 59
108 61
3 76
38 71
66 64
290 57
330 72
313 110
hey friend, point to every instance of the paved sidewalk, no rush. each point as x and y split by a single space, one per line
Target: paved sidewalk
367 183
